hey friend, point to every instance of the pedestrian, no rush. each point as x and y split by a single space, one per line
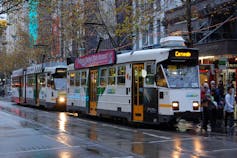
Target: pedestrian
208 112
229 109
219 101
221 89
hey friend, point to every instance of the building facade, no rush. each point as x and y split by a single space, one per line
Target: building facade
214 33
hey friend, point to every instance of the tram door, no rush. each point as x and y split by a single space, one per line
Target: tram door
93 92
137 93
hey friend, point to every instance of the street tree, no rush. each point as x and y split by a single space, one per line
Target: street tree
9 6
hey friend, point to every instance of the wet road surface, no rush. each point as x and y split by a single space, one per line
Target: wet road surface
28 132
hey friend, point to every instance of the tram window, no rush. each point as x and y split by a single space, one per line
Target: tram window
42 80
160 78
150 74
48 81
30 81
181 75
103 77
83 78
72 78
77 78
112 74
15 82
121 75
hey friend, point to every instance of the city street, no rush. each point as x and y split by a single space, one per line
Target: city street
29 132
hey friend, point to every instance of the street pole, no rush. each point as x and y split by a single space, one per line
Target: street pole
189 22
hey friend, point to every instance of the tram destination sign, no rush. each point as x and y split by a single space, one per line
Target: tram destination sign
105 57
183 54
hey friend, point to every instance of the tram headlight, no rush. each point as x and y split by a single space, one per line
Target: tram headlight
195 105
61 99
175 105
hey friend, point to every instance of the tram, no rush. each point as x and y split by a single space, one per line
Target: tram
40 85
146 86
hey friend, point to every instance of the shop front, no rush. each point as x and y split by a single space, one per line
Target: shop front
218 61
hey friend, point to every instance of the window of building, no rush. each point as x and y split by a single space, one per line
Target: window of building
157 4
121 75
150 33
158 31
112 75
103 77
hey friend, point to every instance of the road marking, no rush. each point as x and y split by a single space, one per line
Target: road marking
171 140
157 136
124 157
87 121
221 150
37 150
118 127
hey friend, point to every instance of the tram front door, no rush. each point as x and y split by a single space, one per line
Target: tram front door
93 92
137 93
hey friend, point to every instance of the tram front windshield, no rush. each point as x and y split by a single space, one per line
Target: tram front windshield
60 83
181 75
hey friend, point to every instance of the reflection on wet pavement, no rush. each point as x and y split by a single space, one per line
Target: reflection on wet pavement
55 134
62 121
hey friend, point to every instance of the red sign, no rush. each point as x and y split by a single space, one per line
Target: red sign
106 57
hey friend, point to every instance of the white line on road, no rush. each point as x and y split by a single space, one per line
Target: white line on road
120 128
221 150
37 150
87 121
157 136
171 140
124 157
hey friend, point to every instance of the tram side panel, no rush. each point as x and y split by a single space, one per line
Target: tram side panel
77 99
115 100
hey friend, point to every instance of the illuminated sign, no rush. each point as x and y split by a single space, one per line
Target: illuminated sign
185 55
61 70
182 54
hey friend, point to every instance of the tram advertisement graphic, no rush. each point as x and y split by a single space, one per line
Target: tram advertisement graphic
102 58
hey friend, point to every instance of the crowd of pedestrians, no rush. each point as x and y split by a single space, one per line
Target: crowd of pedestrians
218 102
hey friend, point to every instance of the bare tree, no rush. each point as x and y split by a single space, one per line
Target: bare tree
8 6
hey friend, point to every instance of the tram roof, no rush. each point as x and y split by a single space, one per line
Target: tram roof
144 55
38 68
71 66
53 69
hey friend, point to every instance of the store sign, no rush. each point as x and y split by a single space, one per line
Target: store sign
222 63
101 58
